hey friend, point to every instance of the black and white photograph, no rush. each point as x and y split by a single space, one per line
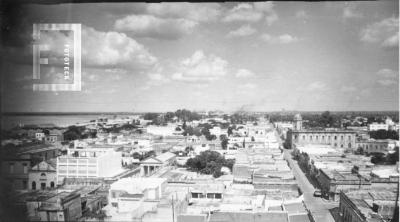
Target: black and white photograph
229 111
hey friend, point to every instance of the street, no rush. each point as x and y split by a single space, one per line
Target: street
318 207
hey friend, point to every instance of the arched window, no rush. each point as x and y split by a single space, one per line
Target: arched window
33 185
52 184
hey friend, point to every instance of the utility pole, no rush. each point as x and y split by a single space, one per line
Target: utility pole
173 209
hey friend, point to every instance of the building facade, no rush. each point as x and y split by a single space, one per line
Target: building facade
335 138
89 163
43 176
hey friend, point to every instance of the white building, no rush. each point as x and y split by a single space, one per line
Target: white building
152 165
128 194
91 162
161 130
378 126
39 135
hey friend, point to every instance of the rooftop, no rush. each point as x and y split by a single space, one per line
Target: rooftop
137 185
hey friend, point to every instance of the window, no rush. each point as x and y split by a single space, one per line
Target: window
33 185
11 167
341 137
25 166
113 194
304 137
210 196
323 137
43 186
349 145
310 138
218 196
316 138
24 184
52 184
195 195
335 137
349 137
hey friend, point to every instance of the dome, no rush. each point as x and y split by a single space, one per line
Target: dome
297 117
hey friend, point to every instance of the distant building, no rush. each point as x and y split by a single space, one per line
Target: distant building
43 175
376 146
151 165
39 135
334 138
378 126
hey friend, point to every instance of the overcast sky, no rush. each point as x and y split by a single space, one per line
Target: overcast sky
228 56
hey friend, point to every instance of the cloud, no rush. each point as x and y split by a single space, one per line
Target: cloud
348 89
244 30
282 39
109 49
201 68
387 82
245 12
349 11
247 86
301 14
388 77
316 86
387 73
102 49
203 12
244 73
154 27
384 32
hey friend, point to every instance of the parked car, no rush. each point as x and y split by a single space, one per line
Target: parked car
317 193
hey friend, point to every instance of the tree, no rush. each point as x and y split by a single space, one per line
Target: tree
208 162
230 131
392 158
224 141
377 158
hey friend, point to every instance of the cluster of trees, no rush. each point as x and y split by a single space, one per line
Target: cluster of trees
385 159
146 155
384 134
127 127
201 129
325 119
242 117
209 162
78 132
181 114
303 160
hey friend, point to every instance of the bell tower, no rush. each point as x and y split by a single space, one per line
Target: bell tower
298 122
